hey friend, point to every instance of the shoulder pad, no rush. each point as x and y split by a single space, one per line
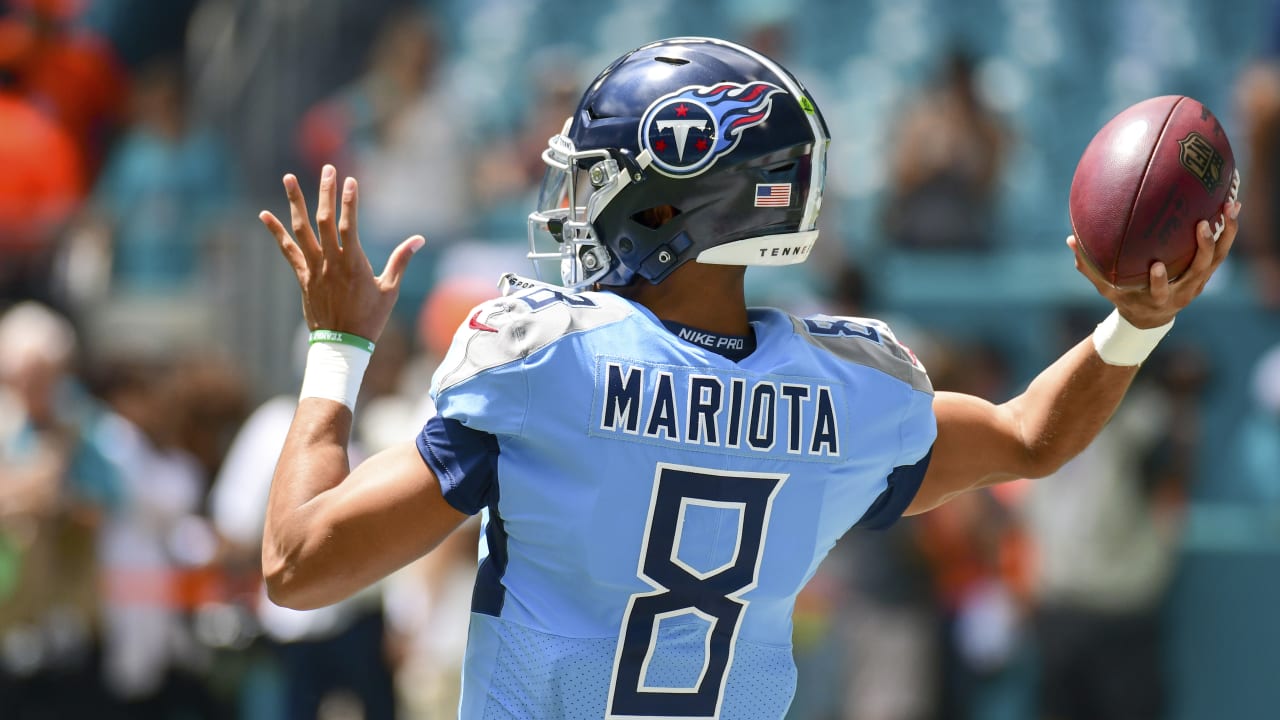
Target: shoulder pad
511 328
865 341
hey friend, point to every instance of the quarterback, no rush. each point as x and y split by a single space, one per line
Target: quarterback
659 467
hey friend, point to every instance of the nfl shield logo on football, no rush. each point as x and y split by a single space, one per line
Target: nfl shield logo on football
1199 156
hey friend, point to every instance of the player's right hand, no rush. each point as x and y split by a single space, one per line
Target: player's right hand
1162 299
339 290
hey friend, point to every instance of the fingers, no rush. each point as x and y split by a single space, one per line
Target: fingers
347 223
1087 269
305 238
1161 299
1231 214
399 261
326 213
1211 252
1203 260
292 253
1158 283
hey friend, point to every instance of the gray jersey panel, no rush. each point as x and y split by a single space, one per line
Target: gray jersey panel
867 342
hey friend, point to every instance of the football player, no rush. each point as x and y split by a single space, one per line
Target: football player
660 468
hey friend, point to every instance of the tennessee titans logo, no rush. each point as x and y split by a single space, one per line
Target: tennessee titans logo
687 130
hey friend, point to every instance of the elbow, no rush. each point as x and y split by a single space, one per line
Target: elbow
289 589
282 587
1041 448
1041 462
1040 470
290 580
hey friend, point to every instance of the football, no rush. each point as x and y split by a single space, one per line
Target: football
1144 182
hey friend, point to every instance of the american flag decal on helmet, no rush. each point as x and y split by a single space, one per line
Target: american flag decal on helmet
773 195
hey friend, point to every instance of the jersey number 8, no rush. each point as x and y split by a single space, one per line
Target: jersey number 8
712 595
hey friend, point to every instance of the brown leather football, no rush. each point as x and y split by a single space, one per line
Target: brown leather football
1145 180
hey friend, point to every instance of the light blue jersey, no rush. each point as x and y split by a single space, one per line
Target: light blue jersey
652 507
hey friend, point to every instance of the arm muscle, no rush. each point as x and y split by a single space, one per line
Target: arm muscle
331 531
1032 435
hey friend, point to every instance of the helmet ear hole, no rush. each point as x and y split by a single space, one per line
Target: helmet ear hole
655 217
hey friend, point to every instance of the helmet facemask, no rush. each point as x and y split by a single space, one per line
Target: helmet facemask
576 188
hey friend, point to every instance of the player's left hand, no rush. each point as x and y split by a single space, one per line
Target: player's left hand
339 289
1161 300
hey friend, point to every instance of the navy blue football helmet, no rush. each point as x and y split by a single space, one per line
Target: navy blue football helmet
685 149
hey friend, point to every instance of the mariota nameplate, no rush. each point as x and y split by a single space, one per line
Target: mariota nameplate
741 412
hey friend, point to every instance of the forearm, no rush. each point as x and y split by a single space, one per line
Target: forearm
331 529
314 460
1066 406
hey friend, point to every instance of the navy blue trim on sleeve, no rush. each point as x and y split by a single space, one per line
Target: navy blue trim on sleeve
465 462
904 483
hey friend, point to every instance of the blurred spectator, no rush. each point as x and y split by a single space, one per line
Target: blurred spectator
55 488
428 603
817 643
405 138
849 289
890 626
974 548
151 660
139 30
40 185
1259 438
1258 105
387 404
510 169
946 164
341 648
210 404
318 652
164 194
66 71
883 611
982 616
468 275
1105 529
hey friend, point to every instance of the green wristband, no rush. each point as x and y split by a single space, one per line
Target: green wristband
341 338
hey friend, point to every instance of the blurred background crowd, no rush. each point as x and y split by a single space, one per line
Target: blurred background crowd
150 345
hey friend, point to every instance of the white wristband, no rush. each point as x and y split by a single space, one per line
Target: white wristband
334 372
1120 343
